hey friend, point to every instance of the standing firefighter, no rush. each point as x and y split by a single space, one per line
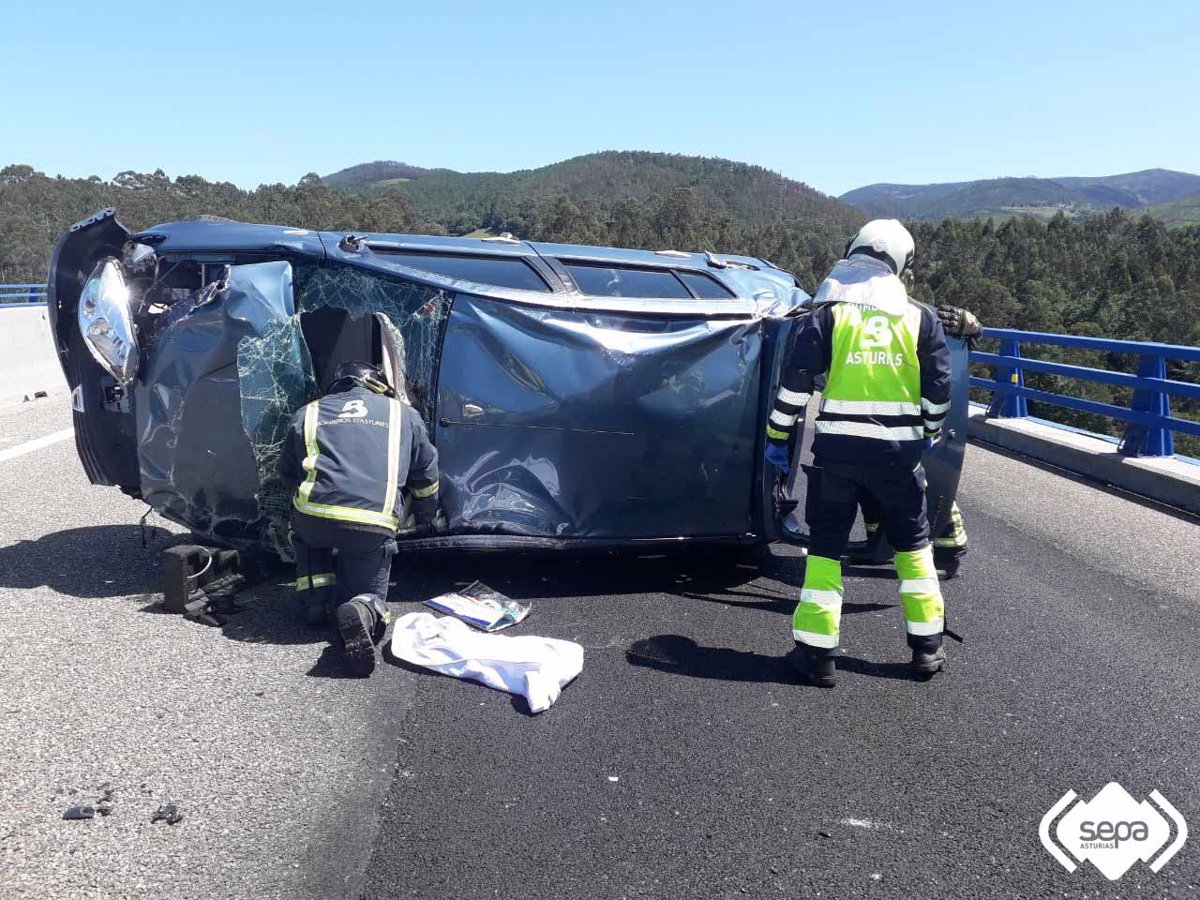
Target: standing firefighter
949 544
887 391
351 454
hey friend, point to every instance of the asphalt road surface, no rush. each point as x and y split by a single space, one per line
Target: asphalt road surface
684 762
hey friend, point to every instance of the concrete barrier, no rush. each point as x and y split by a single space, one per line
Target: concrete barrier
1166 479
28 362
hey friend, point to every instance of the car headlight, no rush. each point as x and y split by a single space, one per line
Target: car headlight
106 322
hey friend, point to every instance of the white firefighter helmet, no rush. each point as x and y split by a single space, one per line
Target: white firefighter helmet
886 240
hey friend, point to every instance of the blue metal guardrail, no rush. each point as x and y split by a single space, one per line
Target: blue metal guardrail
22 293
1149 427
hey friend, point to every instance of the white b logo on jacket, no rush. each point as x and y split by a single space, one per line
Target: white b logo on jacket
354 409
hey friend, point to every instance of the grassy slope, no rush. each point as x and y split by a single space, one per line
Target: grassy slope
1185 211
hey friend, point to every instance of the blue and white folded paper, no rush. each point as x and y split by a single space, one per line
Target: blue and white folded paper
480 606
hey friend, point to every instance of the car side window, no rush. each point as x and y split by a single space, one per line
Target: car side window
599 280
704 286
501 271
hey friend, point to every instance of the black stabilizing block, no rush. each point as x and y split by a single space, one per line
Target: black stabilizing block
200 581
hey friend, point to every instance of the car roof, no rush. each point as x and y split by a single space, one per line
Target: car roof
212 234
225 233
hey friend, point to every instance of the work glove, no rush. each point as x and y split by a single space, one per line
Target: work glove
959 322
777 455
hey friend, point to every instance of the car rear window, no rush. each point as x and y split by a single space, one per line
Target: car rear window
501 271
704 287
620 281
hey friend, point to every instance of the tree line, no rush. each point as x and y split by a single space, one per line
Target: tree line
36 209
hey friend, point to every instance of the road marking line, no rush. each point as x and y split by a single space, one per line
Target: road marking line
38 444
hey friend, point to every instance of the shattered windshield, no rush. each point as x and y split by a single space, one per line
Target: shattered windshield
275 377
415 313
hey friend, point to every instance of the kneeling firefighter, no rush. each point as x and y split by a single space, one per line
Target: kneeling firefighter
351 455
949 544
887 392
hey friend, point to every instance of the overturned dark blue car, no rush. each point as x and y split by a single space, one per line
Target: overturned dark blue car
578 396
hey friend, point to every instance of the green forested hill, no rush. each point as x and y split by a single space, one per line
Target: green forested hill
371 177
723 189
628 199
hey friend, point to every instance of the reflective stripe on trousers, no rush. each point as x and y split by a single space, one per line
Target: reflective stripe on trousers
955 534
920 593
423 493
323 579
816 620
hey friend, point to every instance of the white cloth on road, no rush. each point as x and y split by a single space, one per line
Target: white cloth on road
535 668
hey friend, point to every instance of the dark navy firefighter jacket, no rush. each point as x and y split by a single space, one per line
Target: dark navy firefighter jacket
352 456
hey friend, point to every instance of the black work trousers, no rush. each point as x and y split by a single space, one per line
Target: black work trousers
341 563
897 492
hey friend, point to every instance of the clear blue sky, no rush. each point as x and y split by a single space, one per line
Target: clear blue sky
837 94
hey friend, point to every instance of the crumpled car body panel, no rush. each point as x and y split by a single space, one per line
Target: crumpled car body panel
561 420
215 403
588 425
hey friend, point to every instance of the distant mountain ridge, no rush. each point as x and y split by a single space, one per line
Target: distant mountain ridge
1040 197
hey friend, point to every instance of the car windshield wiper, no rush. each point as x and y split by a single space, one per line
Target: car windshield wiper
717 263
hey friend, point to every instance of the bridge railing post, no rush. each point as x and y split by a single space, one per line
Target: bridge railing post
1003 405
1143 440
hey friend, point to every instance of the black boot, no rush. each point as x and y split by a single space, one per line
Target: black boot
814 664
874 551
948 559
928 657
357 622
